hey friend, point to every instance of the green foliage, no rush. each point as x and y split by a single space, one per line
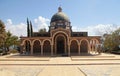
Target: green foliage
13 51
2 33
31 29
28 28
42 30
11 40
112 41
1 51
6 38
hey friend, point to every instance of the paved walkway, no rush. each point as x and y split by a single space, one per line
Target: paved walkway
61 71
103 65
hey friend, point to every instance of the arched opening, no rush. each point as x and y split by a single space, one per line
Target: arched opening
93 44
27 47
60 44
74 47
46 48
84 46
36 47
55 41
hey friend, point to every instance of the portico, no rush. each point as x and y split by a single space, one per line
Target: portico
59 40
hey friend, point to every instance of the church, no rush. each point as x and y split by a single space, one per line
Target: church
60 39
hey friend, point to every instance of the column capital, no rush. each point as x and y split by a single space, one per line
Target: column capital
68 44
51 44
41 44
31 44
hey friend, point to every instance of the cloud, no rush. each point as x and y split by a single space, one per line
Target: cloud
16 29
9 22
21 28
41 23
97 30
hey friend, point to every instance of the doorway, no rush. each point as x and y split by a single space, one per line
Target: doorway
60 45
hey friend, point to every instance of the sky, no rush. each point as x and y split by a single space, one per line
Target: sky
95 16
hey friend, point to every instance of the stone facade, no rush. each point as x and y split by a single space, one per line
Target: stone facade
60 39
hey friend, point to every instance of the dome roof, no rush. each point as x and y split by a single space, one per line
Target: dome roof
60 16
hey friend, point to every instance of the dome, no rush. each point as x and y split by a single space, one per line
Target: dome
60 16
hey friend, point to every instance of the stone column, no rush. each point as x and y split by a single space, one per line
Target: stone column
88 48
23 49
78 49
51 49
69 49
55 48
41 49
31 50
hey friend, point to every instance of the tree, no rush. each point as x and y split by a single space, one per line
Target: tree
42 30
28 28
2 34
112 41
116 38
11 40
31 29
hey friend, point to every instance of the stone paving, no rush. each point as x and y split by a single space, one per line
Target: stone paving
101 70
61 66
20 71
61 71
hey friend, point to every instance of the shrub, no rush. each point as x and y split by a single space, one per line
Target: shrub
13 51
1 51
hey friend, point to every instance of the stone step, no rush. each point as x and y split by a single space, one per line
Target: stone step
92 56
91 59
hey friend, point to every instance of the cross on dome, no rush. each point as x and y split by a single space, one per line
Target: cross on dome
59 9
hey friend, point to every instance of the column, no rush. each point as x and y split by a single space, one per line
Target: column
21 49
69 49
24 49
78 49
51 49
31 50
41 49
65 47
89 48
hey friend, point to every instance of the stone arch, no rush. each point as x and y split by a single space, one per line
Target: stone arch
97 41
37 40
36 46
26 46
84 46
23 42
60 42
85 40
74 40
93 44
74 46
61 32
46 47
46 40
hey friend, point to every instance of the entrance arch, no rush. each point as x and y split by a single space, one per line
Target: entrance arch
60 44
